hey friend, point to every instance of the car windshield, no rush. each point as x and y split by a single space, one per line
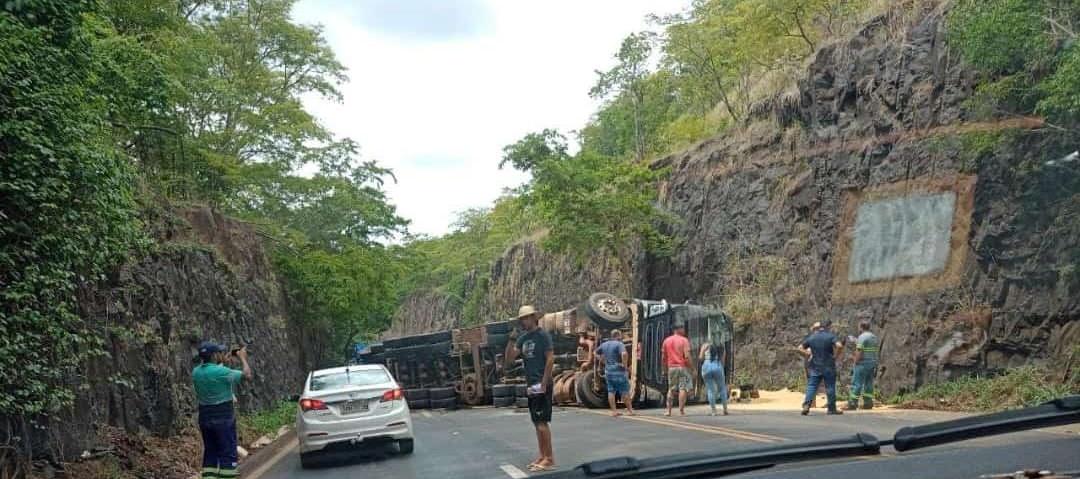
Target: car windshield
338 380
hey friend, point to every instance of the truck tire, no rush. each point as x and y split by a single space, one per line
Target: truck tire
497 342
505 401
522 402
585 393
450 403
503 391
521 390
441 393
606 310
416 394
501 327
419 403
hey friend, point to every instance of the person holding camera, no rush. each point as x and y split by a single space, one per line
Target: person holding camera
214 384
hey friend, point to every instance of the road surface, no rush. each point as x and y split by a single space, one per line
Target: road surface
498 443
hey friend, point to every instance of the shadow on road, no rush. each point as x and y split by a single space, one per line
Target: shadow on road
356 456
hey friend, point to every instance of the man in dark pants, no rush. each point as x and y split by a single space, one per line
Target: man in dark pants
214 384
535 348
822 348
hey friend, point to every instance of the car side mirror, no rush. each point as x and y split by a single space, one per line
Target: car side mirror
294 398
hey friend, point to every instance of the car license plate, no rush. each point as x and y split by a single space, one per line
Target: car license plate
353 407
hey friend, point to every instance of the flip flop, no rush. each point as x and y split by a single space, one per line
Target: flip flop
541 468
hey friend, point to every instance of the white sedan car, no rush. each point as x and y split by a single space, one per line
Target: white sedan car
350 406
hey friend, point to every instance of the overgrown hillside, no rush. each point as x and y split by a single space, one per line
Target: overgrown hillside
891 105
134 135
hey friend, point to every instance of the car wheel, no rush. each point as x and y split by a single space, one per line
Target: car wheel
405 446
450 403
416 394
441 393
606 310
307 461
502 391
505 401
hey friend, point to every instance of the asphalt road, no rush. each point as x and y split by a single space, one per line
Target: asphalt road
498 443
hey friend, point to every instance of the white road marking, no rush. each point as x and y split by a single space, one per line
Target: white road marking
276 458
425 413
512 471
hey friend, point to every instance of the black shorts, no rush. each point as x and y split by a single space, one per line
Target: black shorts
540 406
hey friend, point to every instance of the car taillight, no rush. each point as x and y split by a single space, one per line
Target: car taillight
311 404
393 394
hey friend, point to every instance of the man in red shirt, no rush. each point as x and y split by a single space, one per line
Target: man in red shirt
675 355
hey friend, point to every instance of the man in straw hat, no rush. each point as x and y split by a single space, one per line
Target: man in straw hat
535 348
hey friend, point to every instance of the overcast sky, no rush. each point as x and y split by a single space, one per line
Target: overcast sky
438 87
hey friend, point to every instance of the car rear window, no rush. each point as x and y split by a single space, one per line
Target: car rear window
341 379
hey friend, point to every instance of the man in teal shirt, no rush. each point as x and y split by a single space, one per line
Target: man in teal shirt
866 363
214 384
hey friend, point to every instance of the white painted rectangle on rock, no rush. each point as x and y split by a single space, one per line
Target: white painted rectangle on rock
902 237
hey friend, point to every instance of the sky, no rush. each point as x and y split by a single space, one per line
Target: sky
438 87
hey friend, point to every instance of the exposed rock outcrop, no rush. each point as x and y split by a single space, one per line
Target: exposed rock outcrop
208 277
869 191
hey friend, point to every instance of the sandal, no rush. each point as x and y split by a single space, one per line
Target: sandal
541 467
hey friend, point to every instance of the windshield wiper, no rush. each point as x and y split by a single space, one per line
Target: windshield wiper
1054 413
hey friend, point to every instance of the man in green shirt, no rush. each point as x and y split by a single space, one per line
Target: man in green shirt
214 384
866 363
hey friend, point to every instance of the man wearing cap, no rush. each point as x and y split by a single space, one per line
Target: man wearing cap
535 348
866 362
214 384
822 348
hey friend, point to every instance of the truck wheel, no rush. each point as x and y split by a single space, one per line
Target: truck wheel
419 403
585 392
606 310
416 394
441 393
521 390
502 391
450 403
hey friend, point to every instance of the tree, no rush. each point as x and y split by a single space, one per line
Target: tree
591 202
627 76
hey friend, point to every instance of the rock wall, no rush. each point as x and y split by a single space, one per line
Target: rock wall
868 190
524 274
836 185
207 277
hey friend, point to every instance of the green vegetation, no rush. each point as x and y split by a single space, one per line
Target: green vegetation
1024 386
255 425
1028 50
112 107
696 75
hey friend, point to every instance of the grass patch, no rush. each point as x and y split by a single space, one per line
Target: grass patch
1019 387
255 425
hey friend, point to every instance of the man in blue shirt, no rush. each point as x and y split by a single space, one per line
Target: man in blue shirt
822 348
214 383
616 365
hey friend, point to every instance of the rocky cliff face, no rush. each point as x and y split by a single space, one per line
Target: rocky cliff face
870 190
524 274
207 278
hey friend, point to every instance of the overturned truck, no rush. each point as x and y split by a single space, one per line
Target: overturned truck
469 361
